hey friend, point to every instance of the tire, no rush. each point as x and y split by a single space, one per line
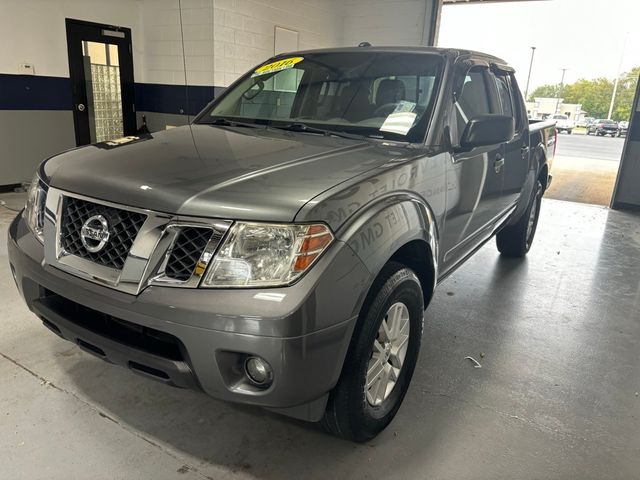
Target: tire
515 240
353 412
569 132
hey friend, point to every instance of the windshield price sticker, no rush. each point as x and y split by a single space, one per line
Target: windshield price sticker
277 66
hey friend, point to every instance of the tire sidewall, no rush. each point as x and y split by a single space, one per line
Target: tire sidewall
537 201
403 286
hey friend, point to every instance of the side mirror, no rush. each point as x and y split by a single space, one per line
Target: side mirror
487 130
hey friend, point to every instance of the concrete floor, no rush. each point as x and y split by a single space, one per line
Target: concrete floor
584 180
585 168
557 395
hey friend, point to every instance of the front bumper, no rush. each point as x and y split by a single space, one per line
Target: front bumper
198 338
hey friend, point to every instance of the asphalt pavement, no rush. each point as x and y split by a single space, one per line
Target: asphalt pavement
590 146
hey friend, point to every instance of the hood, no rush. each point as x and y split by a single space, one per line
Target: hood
212 171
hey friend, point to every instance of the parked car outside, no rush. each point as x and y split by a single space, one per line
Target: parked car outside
602 127
584 122
623 127
281 250
563 123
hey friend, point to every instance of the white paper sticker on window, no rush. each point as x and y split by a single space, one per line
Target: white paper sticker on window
400 122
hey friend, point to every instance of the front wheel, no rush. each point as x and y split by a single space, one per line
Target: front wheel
381 358
515 240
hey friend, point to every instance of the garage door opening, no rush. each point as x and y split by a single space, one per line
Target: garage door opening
576 68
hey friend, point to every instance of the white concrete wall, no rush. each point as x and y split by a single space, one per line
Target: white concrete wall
222 38
244 30
162 47
34 31
385 22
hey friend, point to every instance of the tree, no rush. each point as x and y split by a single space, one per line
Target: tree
595 95
545 91
624 97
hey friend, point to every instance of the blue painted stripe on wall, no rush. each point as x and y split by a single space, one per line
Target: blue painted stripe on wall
34 92
153 97
37 92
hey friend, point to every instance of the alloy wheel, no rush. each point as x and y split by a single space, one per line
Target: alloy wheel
388 354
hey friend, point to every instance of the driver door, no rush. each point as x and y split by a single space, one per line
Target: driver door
474 177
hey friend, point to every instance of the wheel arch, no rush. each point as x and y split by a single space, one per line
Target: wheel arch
538 165
402 229
543 175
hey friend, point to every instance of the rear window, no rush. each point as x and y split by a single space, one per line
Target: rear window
560 117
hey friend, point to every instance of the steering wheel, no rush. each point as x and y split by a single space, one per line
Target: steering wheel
384 110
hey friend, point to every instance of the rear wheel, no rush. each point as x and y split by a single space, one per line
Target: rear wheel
381 358
515 240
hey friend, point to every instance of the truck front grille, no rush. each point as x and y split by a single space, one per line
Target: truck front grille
186 252
124 226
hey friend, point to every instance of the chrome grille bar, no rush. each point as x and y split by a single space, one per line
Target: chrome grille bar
145 261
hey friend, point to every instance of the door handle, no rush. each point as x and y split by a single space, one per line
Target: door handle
498 163
80 107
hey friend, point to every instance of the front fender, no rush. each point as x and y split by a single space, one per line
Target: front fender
385 226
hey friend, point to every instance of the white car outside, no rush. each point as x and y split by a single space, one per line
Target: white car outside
563 123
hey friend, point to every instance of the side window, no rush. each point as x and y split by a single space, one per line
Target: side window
504 94
473 100
518 107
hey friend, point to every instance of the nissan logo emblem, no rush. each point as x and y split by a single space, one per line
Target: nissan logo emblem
95 233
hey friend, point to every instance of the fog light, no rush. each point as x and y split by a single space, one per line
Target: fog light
258 371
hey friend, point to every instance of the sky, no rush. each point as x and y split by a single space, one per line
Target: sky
584 36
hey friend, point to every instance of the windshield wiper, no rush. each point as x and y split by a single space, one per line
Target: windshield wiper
225 122
303 127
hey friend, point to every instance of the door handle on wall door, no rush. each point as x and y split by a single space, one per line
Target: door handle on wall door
80 107
498 163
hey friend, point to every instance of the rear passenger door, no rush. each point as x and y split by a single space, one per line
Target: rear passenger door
516 151
474 178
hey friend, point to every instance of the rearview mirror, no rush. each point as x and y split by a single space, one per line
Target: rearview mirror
487 130
254 90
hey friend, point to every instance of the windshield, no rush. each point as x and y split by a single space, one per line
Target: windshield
560 117
384 95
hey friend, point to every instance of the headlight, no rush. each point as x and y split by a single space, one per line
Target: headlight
266 255
34 208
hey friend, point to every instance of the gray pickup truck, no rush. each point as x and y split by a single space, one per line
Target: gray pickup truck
281 250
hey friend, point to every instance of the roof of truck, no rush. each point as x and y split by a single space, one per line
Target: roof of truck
456 52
